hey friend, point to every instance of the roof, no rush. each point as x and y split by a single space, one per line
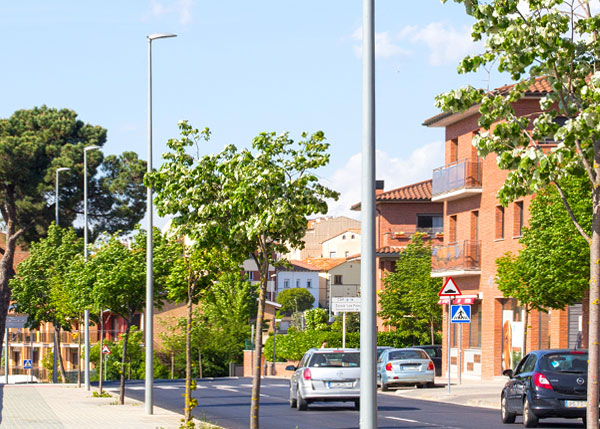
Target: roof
353 230
538 89
383 252
319 264
417 192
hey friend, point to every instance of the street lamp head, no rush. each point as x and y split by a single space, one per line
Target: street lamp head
62 169
92 147
154 36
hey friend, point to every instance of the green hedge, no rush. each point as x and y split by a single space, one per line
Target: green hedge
293 346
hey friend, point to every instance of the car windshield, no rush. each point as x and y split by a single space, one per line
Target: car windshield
565 362
407 354
335 359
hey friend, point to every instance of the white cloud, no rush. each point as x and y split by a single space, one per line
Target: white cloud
446 44
395 171
182 8
384 45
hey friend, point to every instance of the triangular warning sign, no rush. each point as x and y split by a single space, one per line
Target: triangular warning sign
450 288
105 350
460 315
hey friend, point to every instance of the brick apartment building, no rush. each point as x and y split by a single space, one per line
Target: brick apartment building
400 213
477 231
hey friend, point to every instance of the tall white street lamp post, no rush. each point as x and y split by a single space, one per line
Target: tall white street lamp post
149 337
56 351
86 316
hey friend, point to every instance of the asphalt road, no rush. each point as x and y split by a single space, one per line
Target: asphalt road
226 402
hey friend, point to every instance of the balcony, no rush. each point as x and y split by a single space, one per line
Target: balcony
458 259
459 179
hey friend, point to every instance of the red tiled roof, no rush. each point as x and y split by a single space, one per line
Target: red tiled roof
416 192
319 264
383 251
539 88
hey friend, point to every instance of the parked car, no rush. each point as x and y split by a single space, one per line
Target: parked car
326 374
435 353
546 383
381 349
397 367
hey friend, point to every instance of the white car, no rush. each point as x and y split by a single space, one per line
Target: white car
327 374
398 367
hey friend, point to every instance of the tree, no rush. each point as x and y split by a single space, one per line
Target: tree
295 300
33 144
40 290
556 41
409 300
118 273
250 202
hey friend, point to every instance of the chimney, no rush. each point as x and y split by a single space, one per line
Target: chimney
378 187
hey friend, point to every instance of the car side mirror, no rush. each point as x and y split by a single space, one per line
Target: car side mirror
508 373
290 368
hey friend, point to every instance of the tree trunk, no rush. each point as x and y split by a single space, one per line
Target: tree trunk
79 352
525 328
6 273
594 316
187 416
61 364
123 360
199 362
264 273
172 363
101 354
432 332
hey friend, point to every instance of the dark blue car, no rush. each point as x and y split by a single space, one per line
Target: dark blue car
546 383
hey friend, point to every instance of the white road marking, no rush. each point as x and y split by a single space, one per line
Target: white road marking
136 388
265 396
225 387
170 387
403 420
421 423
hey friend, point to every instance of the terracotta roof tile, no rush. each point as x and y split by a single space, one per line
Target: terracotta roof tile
319 264
416 192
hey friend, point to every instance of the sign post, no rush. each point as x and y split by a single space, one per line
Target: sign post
105 352
345 305
450 289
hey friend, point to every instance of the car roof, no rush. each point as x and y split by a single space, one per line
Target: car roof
550 351
334 349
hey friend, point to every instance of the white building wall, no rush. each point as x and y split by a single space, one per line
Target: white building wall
299 279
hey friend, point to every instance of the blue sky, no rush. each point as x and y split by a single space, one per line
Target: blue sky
243 67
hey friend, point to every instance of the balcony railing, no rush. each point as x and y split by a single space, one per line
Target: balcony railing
464 256
463 175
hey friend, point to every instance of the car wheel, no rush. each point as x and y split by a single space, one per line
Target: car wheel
507 417
530 420
384 387
293 401
430 384
302 403
584 420
420 386
357 404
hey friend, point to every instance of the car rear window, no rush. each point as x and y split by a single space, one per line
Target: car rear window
565 362
335 359
408 354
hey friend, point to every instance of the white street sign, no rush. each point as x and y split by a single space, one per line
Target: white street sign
16 321
345 304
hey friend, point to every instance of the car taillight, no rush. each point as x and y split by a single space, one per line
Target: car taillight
430 367
388 366
540 380
306 374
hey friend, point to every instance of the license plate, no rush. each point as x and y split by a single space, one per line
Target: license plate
575 404
340 384
410 368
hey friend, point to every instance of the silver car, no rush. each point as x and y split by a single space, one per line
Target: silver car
398 367
326 374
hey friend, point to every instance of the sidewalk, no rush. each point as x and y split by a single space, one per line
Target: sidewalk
474 393
26 406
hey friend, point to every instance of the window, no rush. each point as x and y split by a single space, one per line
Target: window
297 282
453 150
475 225
343 237
499 222
332 254
250 275
309 283
452 229
518 219
352 237
475 327
430 223
346 254
337 279
286 283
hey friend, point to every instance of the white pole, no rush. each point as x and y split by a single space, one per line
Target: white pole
368 326
344 330
6 356
459 327
449 334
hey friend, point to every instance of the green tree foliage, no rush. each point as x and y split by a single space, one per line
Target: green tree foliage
559 42
295 300
250 202
118 274
315 319
410 295
40 289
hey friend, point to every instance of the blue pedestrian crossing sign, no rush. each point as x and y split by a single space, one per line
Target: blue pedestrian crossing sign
460 313
26 363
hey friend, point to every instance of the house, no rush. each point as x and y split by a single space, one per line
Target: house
477 231
400 213
341 245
